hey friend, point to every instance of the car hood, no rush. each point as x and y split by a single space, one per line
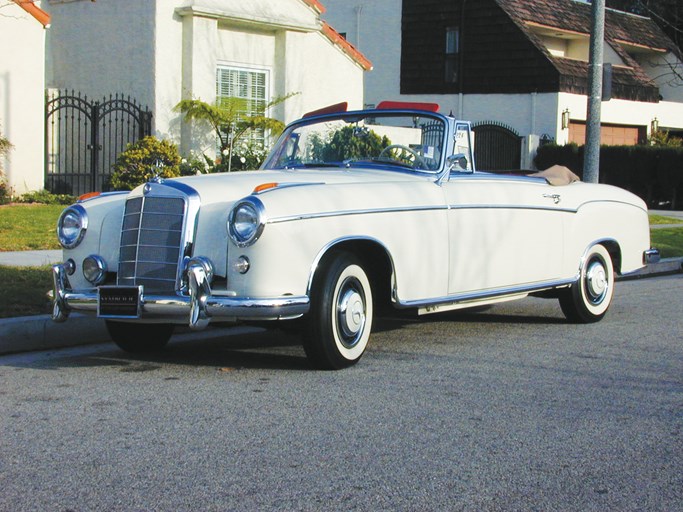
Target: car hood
226 187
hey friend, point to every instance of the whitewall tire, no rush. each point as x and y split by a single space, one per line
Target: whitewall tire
341 314
589 298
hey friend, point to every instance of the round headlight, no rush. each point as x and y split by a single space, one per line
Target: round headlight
71 226
246 222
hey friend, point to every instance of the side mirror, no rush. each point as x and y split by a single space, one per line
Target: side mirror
457 162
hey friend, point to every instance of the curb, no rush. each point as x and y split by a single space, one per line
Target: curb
664 267
31 333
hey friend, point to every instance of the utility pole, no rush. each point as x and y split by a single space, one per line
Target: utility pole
591 158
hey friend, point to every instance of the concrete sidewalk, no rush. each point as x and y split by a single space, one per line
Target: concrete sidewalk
30 258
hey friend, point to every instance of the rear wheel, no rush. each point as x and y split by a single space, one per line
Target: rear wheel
139 338
341 314
588 299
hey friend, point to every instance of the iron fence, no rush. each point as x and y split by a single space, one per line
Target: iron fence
83 138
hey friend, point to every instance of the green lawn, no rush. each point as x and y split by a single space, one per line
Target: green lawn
24 291
29 226
658 220
669 241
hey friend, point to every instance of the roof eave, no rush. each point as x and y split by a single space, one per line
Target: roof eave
337 39
40 15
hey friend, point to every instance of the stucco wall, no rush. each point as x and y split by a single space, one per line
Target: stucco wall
321 73
667 70
375 29
102 48
22 83
295 55
668 113
162 51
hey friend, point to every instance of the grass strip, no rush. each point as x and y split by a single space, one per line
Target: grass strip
669 241
659 219
24 291
25 227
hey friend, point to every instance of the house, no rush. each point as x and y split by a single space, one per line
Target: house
516 66
161 51
22 85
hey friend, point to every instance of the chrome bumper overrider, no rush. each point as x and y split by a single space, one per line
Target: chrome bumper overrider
199 306
651 256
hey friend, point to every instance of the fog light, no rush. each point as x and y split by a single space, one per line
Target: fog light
94 269
70 266
241 265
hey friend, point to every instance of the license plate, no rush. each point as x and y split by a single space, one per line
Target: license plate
119 301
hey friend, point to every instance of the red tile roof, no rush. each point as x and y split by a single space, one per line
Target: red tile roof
315 4
338 39
346 47
35 11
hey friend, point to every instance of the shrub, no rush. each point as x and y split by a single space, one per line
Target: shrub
193 165
5 190
46 197
143 160
5 147
655 173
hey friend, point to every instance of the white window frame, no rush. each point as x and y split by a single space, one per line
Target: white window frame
251 70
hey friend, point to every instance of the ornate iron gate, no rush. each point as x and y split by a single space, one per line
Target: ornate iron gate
84 138
497 147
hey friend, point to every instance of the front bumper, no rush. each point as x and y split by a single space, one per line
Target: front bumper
197 307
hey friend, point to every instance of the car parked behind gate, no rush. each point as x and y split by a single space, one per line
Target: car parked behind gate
350 212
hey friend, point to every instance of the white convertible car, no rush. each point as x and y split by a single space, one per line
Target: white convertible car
351 212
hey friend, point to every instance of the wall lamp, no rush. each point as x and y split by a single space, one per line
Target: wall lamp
565 119
654 125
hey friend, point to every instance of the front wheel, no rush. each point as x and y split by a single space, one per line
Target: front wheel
341 314
139 338
588 299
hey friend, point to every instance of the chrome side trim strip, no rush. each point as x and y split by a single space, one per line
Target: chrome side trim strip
489 176
345 213
460 298
510 207
371 211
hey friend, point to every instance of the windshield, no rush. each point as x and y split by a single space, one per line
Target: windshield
405 141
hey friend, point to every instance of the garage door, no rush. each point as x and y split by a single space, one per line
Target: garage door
610 134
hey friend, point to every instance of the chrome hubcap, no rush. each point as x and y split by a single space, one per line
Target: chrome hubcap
350 313
596 282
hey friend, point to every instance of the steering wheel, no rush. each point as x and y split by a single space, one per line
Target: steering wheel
403 154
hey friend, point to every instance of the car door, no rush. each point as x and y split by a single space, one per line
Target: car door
504 231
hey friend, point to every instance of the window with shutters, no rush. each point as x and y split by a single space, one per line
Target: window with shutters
250 86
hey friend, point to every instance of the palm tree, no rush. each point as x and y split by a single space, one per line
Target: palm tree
230 120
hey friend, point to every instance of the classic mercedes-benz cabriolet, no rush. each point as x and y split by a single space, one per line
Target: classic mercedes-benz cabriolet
351 212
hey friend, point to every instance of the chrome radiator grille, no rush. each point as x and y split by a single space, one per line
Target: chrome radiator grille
151 242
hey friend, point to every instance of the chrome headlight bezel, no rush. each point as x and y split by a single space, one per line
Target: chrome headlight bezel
76 219
94 269
246 221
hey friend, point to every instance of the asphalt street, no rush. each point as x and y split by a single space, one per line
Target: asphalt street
508 408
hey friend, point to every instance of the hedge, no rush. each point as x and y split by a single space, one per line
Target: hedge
655 173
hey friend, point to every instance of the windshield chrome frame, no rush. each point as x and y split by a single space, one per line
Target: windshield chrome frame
447 143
